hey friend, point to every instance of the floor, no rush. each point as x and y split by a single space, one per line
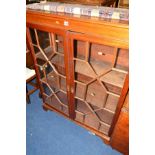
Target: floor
47 133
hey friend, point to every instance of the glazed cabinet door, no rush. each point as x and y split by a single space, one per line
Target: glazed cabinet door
49 52
99 72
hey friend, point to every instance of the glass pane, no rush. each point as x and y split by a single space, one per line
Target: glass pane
55 103
122 62
46 89
44 39
99 76
105 116
41 43
49 53
92 121
79 49
111 103
58 60
100 57
64 102
53 81
33 38
82 107
59 43
63 83
96 94
104 129
36 50
79 90
114 81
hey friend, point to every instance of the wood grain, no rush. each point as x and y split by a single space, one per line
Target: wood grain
120 136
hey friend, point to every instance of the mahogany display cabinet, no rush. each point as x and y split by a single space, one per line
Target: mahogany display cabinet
82 67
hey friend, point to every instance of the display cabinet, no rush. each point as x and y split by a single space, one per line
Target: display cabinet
82 67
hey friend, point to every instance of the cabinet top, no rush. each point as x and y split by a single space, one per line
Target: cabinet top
94 13
113 30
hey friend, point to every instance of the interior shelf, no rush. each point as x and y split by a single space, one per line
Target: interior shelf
105 116
56 59
53 102
47 51
113 77
99 97
55 81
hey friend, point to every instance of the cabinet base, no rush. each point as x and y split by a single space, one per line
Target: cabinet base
105 138
45 108
105 141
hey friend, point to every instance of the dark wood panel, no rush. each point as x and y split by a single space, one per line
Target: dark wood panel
120 136
29 60
114 33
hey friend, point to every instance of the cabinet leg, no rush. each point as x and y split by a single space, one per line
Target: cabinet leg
27 99
40 95
105 141
44 108
27 96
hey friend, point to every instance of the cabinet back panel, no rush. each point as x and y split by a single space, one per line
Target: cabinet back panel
106 56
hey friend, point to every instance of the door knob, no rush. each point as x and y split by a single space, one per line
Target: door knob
92 94
101 53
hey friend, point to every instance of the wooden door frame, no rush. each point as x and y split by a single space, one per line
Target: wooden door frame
63 33
94 39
